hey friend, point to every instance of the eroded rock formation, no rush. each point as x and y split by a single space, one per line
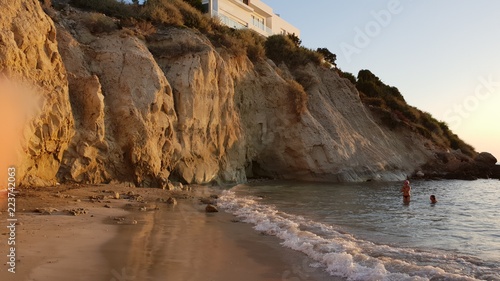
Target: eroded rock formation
123 107
29 58
175 108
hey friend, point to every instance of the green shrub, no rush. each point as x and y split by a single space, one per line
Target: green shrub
457 143
424 132
368 88
444 127
400 116
175 50
229 39
99 23
252 42
328 56
197 4
389 119
111 8
144 27
295 39
192 17
349 76
430 123
372 86
410 113
298 98
279 48
177 13
229 42
377 102
379 95
162 12
282 49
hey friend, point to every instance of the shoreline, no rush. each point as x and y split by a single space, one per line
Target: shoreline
148 240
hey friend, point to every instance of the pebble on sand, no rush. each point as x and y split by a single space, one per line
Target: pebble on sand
211 209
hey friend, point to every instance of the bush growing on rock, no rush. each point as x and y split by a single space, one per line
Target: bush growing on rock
197 4
388 102
349 76
99 23
239 42
376 101
329 57
193 18
297 97
282 49
111 8
162 12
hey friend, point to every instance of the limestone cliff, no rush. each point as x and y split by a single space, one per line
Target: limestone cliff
175 108
124 113
39 103
208 123
333 139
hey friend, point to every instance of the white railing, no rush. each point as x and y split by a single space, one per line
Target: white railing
235 24
229 21
263 27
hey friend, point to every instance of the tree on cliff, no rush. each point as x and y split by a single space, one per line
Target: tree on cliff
330 57
295 39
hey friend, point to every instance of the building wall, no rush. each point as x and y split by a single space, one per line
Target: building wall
238 12
256 16
280 26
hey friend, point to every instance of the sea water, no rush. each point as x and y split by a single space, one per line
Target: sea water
364 231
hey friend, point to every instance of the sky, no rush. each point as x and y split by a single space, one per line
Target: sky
443 56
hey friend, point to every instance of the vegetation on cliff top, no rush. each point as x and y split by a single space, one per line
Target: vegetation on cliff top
188 13
387 102
154 14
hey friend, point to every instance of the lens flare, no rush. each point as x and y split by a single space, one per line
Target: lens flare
18 105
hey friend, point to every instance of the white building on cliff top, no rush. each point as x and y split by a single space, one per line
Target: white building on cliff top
253 14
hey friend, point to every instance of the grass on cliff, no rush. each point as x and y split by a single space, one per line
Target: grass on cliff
297 98
283 49
154 14
388 103
187 13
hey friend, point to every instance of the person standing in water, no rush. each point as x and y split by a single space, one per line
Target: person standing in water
406 189
433 199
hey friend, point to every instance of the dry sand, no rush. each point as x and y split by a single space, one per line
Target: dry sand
130 239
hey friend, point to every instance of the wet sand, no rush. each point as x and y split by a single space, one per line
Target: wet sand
149 240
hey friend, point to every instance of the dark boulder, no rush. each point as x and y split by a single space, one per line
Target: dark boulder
485 158
495 172
454 165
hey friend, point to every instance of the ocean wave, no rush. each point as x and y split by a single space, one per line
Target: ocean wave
343 255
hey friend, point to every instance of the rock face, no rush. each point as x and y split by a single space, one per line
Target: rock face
486 159
453 165
496 172
173 107
332 139
203 89
124 113
29 58
131 125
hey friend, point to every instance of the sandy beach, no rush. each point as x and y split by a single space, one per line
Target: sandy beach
115 232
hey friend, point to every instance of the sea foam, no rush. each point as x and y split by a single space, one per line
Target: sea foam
343 255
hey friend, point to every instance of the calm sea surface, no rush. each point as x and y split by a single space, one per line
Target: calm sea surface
363 231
